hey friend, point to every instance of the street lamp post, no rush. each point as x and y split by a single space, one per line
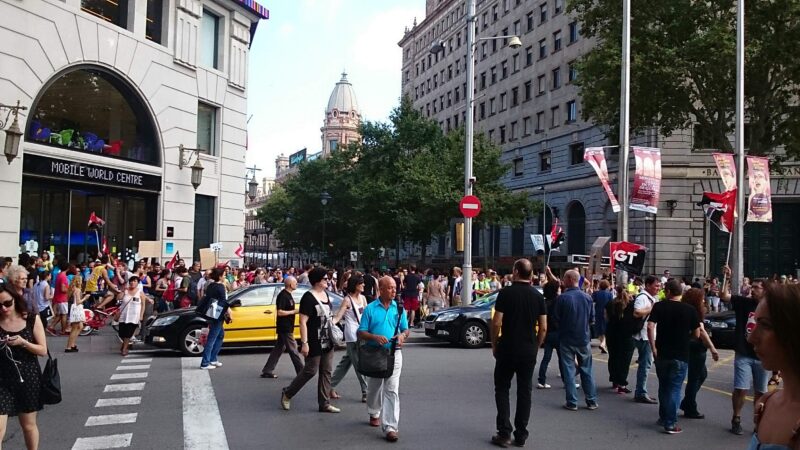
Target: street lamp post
624 125
324 198
268 231
544 225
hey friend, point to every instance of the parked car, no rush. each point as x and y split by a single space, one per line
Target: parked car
721 326
465 325
180 329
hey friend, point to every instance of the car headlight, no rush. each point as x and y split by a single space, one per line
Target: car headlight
446 317
164 321
718 324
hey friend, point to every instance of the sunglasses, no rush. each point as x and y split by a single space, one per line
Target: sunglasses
7 304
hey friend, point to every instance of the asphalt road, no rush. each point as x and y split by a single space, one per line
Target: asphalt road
446 392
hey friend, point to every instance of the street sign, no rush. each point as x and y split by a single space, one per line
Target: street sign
470 206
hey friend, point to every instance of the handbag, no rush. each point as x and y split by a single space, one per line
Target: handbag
378 362
335 334
50 386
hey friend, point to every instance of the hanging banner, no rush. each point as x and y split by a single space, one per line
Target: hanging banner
628 256
726 167
647 181
759 203
597 159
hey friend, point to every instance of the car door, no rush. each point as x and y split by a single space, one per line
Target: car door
297 294
250 323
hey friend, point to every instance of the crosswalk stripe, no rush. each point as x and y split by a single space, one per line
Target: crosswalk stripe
129 376
136 360
111 419
102 442
134 367
124 387
120 401
202 424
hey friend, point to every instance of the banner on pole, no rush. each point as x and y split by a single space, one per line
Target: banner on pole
719 208
647 180
628 256
726 166
759 202
596 157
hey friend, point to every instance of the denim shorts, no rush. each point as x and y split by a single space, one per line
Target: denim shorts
749 372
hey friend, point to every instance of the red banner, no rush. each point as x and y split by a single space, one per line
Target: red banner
627 256
726 167
647 181
759 202
597 159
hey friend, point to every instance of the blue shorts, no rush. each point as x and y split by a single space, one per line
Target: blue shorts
748 372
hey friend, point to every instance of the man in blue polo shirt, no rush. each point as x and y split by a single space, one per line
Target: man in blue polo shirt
378 325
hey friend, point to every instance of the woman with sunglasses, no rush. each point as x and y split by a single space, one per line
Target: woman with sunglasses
22 340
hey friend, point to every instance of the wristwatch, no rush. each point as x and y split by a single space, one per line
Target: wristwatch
304 342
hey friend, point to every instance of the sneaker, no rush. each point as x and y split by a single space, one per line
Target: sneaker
570 407
543 386
215 363
623 390
591 406
208 367
286 402
645 399
736 426
673 429
330 409
577 385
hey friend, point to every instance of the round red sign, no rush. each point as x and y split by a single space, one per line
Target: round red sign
470 206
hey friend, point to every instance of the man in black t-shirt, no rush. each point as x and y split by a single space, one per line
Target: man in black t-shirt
676 322
371 285
517 312
410 294
284 327
747 368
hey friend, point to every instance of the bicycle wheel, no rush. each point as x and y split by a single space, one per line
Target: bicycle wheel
87 330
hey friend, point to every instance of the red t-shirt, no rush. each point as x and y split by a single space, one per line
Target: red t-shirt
61 283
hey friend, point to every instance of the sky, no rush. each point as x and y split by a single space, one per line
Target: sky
298 55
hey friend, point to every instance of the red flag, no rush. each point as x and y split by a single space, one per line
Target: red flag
239 251
719 208
104 251
172 262
554 231
95 221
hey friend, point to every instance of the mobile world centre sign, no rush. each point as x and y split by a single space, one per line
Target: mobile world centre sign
89 173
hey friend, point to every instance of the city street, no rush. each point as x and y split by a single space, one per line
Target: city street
148 400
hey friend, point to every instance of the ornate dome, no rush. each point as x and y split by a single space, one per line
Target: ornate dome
343 99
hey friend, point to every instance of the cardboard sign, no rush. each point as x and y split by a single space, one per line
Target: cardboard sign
596 256
208 258
216 246
149 249
538 242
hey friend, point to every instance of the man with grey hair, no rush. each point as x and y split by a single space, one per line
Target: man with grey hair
284 326
574 313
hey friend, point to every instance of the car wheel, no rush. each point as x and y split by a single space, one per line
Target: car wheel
189 342
474 335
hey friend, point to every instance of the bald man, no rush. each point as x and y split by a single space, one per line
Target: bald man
284 327
384 323
574 313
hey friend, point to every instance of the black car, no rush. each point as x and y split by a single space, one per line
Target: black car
253 311
721 326
465 325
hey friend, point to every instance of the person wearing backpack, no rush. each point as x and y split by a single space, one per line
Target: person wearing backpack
641 310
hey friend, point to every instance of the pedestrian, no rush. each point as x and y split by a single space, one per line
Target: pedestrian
642 306
284 328
60 298
619 340
131 312
17 278
215 290
435 291
20 382
574 314
350 311
551 291
747 368
776 340
42 295
76 315
384 323
697 357
317 348
303 277
455 299
713 295
518 310
162 305
371 284
601 297
411 293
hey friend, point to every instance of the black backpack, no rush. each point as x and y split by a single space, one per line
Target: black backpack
631 324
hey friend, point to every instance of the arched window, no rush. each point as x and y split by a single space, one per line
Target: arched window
92 110
576 229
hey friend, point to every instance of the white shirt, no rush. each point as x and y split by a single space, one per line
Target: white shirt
130 307
643 300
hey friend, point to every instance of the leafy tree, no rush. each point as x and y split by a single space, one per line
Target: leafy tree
683 68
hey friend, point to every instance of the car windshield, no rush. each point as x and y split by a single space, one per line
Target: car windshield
486 299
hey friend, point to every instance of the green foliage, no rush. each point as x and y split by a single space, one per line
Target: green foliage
683 68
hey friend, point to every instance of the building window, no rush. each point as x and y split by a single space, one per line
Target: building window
517 28
485 20
576 153
572 74
482 110
484 50
457 94
528 56
572 111
527 90
515 63
529 22
556 78
209 40
513 131
503 134
491 135
543 13
554 117
203 224
449 99
539 122
493 75
557 41
153 28
207 128
504 70
544 161
518 167
540 85
515 96
573 32
503 102
492 106
527 126
483 81
494 13
91 110
559 7
333 144
543 49
112 12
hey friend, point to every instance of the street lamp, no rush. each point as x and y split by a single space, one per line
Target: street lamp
252 185
513 42
13 133
324 198
197 168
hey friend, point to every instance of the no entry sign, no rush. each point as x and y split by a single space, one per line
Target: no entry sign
470 206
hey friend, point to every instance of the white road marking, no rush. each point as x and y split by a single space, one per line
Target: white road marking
111 419
120 401
124 387
101 442
136 360
129 376
134 367
202 424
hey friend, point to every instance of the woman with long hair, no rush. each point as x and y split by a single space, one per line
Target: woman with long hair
22 341
601 297
75 298
776 341
697 356
131 312
619 340
350 311
215 290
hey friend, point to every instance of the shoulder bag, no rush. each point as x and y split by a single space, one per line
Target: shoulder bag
378 361
50 386
335 334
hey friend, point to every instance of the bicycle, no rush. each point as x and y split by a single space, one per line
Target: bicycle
97 319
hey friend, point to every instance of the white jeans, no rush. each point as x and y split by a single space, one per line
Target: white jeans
383 396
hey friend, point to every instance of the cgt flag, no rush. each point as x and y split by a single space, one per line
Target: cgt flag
627 256
719 208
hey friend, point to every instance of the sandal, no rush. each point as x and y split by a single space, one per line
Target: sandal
334 395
